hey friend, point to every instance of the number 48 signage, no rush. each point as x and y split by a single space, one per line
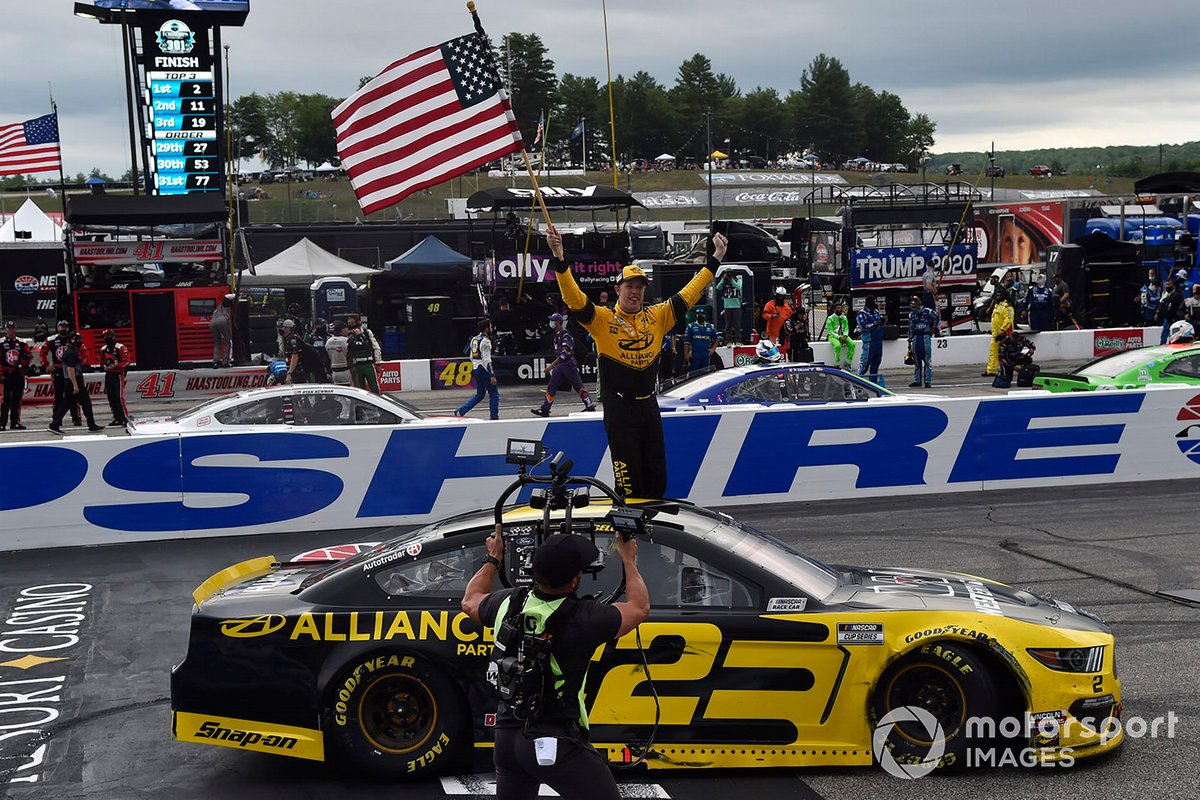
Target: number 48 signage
182 98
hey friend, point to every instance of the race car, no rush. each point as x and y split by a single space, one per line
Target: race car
771 384
1168 364
286 407
754 654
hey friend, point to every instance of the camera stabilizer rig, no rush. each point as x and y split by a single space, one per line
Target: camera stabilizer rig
522 540
555 494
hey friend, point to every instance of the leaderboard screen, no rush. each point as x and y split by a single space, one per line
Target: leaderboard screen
183 132
182 100
177 5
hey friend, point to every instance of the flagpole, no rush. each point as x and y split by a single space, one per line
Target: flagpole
62 181
537 192
612 119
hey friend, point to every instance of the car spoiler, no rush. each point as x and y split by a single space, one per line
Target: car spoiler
254 568
1064 376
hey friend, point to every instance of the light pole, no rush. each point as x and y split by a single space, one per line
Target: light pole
992 170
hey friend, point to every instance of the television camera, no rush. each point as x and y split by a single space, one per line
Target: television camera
558 491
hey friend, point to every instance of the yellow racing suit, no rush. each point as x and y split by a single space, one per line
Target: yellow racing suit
627 352
1002 323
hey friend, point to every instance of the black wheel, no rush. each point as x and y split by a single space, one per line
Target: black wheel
397 716
947 682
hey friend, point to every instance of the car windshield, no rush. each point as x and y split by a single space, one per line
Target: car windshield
199 409
397 545
406 410
775 557
1114 365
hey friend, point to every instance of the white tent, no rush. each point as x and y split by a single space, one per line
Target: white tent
665 157
326 167
300 265
32 219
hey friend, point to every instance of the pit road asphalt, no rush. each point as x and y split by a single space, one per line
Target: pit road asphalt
1106 548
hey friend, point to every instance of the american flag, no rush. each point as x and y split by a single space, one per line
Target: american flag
541 127
29 147
438 113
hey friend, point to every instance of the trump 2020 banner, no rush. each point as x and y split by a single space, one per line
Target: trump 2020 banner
904 267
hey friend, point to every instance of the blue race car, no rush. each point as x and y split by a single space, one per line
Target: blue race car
769 384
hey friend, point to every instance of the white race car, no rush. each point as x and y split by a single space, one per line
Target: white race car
275 407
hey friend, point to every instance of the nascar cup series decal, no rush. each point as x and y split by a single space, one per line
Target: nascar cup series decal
860 633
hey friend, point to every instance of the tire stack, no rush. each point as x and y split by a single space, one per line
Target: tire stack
263 333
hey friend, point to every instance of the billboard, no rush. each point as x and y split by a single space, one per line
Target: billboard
878 268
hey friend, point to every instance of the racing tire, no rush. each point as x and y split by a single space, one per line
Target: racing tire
949 681
398 717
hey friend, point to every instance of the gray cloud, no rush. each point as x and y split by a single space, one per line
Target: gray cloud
1026 74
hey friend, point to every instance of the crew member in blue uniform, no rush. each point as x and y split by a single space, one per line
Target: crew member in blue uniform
922 327
698 339
870 327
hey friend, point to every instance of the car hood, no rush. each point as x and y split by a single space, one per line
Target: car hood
905 589
151 425
256 580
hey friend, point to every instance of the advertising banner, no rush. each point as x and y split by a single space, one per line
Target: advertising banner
1114 340
188 386
1018 233
903 267
808 178
93 490
589 269
456 373
155 252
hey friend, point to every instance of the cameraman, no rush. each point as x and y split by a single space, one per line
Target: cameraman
578 771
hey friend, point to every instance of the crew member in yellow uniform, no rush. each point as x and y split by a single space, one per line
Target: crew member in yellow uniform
628 341
1002 323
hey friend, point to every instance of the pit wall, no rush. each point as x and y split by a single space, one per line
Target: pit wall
97 490
418 375
1078 346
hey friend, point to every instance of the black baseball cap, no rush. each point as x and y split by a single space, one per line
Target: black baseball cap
561 557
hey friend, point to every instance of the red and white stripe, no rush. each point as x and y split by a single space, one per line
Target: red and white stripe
406 130
18 157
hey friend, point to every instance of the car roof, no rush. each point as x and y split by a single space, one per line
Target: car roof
303 388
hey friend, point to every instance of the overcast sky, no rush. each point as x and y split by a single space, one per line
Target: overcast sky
1025 74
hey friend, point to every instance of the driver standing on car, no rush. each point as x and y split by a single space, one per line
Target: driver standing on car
577 770
628 340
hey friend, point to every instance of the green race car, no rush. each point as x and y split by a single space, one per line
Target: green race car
1131 369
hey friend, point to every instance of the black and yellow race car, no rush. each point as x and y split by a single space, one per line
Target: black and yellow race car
754 655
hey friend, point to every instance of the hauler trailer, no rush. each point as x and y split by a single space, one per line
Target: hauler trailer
152 269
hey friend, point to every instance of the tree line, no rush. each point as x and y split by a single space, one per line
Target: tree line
827 114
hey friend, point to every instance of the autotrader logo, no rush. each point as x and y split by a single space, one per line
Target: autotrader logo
255 626
912 716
